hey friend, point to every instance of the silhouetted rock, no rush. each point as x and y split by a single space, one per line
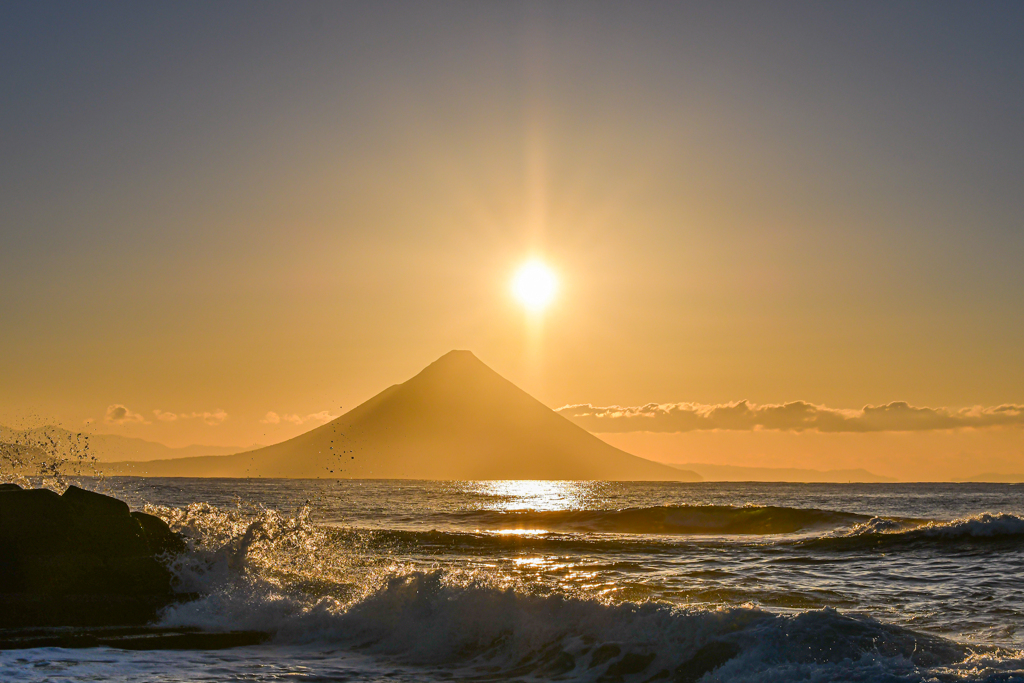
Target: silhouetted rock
131 638
80 559
105 524
159 536
95 504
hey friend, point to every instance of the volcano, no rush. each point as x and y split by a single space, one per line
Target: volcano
456 419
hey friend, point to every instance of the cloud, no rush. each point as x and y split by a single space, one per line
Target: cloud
211 418
796 416
118 414
273 418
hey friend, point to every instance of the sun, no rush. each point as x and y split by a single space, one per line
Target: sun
535 285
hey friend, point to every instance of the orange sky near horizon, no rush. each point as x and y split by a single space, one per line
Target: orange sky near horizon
228 231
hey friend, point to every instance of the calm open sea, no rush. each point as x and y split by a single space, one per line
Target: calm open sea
551 580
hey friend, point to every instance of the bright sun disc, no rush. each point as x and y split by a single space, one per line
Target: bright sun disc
534 285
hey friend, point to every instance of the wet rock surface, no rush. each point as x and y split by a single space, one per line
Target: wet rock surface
130 638
80 559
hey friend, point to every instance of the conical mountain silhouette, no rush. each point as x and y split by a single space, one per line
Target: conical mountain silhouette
456 419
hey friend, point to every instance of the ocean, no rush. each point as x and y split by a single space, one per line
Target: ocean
361 580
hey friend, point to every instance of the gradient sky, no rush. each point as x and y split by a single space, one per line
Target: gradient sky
220 210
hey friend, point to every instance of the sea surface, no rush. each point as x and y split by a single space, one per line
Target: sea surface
589 581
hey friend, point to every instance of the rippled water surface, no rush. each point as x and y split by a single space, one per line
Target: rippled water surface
399 580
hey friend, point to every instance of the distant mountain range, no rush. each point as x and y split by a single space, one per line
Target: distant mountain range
104 447
779 474
456 419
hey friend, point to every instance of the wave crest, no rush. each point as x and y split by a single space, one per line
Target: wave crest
470 625
668 519
983 528
305 584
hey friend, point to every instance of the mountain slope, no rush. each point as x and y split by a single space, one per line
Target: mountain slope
457 419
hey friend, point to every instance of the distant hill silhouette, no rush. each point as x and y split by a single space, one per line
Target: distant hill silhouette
780 474
456 419
103 447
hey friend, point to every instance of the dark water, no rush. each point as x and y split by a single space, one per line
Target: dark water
373 580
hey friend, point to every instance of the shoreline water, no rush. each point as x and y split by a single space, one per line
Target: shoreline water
593 580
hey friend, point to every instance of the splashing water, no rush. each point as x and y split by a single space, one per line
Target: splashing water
409 582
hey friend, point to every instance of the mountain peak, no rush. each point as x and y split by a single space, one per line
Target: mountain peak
456 357
454 366
456 419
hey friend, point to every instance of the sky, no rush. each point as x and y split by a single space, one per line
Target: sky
226 223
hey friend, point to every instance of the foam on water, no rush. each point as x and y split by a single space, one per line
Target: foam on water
648 590
985 528
464 625
314 587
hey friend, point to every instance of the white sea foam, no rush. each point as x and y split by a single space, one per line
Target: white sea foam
983 526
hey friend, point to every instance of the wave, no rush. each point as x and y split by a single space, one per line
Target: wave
307 585
469 542
476 628
666 519
983 529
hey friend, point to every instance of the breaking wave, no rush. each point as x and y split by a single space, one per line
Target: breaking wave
667 519
986 528
307 584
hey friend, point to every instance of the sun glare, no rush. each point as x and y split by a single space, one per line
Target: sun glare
535 285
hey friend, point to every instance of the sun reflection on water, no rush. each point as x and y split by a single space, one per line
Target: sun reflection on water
539 495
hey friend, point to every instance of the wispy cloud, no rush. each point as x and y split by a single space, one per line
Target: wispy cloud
796 416
274 418
213 418
118 414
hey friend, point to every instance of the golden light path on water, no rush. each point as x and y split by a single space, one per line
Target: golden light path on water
538 495
574 575
533 495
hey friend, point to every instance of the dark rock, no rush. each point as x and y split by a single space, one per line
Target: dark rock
21 610
9 487
95 504
137 576
158 535
35 521
105 524
137 638
80 559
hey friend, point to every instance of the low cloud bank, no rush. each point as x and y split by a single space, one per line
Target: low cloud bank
273 418
797 416
211 418
118 414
